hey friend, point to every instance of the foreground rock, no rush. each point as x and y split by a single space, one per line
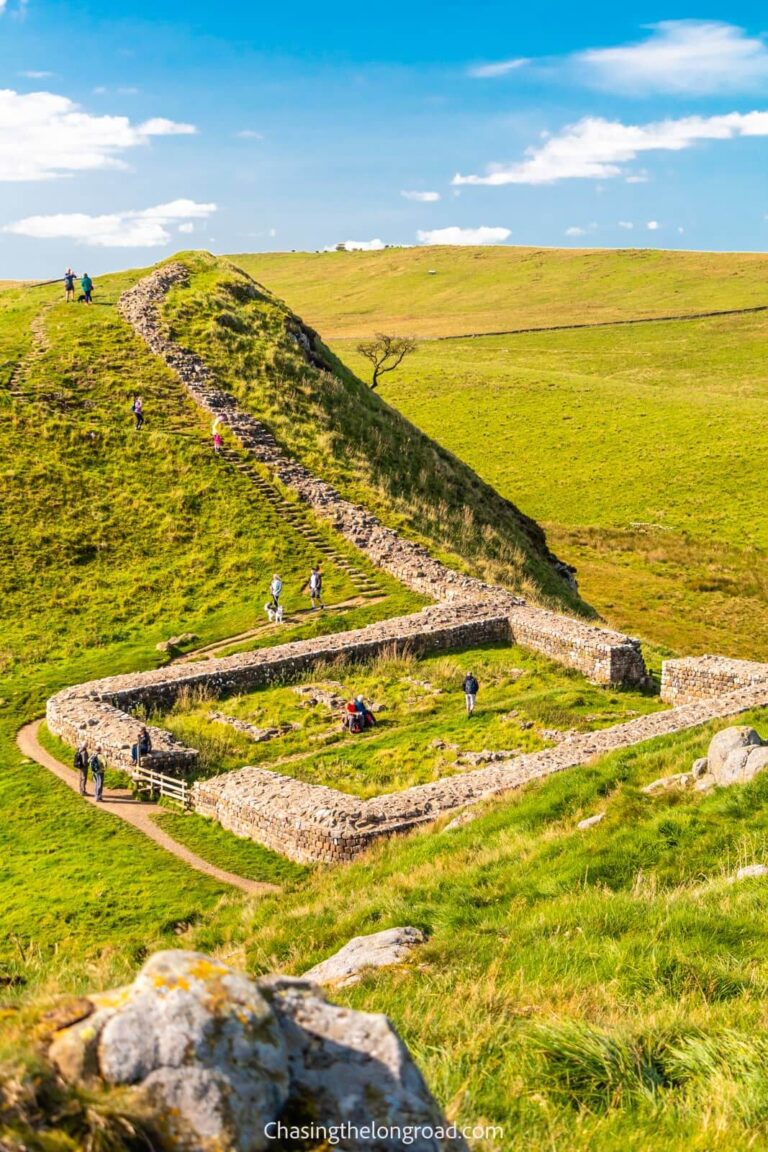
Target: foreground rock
735 756
379 950
590 821
215 1060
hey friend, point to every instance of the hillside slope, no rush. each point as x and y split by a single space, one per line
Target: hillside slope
431 292
346 434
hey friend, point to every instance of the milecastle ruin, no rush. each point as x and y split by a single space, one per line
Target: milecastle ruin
317 823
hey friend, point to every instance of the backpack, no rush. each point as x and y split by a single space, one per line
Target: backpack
96 765
471 686
81 760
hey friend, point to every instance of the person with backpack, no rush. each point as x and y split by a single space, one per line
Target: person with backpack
316 588
138 411
86 284
471 689
81 764
97 771
69 285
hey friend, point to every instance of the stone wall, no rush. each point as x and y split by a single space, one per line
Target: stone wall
602 655
702 677
313 823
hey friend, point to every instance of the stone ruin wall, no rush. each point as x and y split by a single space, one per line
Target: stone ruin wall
313 823
701 677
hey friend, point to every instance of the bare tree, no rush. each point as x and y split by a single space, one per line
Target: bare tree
386 353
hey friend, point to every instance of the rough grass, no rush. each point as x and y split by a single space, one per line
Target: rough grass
225 850
421 727
354 294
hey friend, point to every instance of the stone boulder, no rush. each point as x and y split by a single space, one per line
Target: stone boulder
355 1070
590 821
379 950
751 871
723 744
215 1060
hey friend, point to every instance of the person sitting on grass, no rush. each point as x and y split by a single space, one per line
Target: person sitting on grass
142 747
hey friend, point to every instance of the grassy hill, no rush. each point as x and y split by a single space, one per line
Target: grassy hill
352 294
639 447
601 990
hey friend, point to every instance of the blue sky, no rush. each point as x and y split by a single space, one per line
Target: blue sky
255 127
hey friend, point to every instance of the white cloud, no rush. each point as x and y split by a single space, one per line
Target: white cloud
499 68
595 148
653 225
43 136
359 246
681 231
186 228
146 228
626 224
422 197
249 134
682 56
638 178
31 74
462 236
575 231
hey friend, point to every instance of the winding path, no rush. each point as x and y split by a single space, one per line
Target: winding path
120 802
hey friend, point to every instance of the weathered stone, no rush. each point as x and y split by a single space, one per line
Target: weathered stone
680 781
751 871
727 741
379 950
356 1070
590 821
700 768
197 1041
460 820
215 1059
701 677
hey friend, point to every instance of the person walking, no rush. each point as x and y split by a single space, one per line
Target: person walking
81 764
218 443
86 285
274 608
316 588
471 689
97 771
138 411
69 285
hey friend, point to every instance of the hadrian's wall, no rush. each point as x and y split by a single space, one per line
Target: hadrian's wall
701 677
314 823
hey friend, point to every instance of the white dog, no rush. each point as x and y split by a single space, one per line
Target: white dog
275 617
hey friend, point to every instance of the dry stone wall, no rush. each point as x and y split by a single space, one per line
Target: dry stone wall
312 823
701 677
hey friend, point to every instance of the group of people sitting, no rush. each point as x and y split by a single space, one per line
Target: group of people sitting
357 717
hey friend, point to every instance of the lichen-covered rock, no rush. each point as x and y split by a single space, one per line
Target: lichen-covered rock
355 1070
723 744
214 1059
199 1043
679 782
750 871
590 821
379 950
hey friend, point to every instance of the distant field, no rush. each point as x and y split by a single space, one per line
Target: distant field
640 447
351 294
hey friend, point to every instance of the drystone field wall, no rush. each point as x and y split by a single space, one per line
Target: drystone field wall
314 823
700 677
602 655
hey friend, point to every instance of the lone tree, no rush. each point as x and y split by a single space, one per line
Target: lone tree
386 353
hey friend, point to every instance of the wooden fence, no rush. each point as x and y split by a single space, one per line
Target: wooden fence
158 784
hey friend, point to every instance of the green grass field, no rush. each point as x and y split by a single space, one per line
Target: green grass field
602 990
419 707
638 447
443 291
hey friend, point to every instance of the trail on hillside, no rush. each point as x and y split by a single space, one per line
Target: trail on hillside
605 324
120 802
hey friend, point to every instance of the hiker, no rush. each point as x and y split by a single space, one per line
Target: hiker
471 689
365 717
138 410
97 771
81 764
86 284
142 747
316 588
274 608
218 443
69 285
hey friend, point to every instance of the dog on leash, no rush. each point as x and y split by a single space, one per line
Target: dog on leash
275 614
